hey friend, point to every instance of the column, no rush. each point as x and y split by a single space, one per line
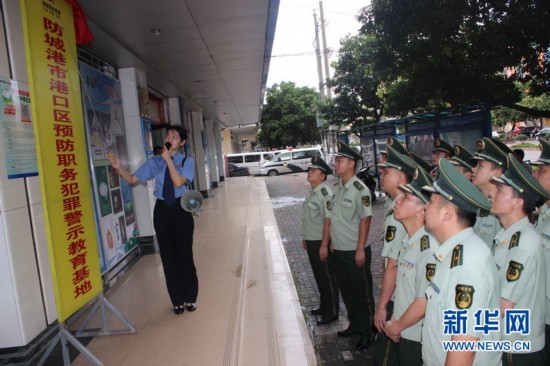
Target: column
131 79
212 153
201 181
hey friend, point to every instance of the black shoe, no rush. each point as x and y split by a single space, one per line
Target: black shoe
327 319
191 306
363 343
179 309
346 333
317 311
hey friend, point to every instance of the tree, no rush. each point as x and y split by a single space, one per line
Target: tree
502 115
450 52
288 118
355 84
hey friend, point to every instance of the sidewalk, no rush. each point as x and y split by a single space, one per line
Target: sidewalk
287 193
248 310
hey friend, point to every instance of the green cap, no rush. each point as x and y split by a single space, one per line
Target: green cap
400 162
544 157
491 150
421 162
517 177
396 145
455 188
421 179
463 157
442 145
348 152
318 163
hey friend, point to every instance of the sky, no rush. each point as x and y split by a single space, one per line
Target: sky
293 54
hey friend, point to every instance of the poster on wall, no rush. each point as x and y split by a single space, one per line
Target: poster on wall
106 135
17 129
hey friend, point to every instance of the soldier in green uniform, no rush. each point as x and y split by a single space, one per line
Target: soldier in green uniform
491 162
519 257
542 175
397 170
463 160
350 220
415 268
466 279
442 150
315 230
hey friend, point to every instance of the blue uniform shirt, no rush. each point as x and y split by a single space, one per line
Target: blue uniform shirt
156 167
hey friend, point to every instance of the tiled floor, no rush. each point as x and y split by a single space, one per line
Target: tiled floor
248 310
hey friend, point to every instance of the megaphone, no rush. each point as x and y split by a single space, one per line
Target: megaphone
191 201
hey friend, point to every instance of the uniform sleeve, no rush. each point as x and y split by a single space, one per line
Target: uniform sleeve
188 169
325 206
519 271
364 203
393 237
425 270
147 170
469 289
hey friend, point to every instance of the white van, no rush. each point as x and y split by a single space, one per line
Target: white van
252 160
290 161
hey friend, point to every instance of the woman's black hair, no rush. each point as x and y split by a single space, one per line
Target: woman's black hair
181 131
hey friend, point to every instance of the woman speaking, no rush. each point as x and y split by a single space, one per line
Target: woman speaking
173 226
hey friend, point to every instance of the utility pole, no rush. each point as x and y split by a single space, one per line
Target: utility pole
325 49
330 140
319 70
318 55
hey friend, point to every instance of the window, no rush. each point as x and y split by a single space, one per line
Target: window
299 155
284 157
252 158
235 159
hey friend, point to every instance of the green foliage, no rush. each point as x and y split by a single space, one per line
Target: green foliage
436 54
288 118
356 85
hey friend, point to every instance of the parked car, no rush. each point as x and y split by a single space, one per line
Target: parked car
235 170
530 131
542 132
516 131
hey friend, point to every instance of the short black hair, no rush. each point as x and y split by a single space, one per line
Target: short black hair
519 153
180 130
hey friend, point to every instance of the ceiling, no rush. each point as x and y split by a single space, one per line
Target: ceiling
215 54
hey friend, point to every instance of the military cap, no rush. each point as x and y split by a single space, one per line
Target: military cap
346 151
517 177
421 179
421 162
491 150
463 157
396 145
444 146
455 188
544 157
400 162
318 163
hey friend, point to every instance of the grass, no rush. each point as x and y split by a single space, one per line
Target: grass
525 145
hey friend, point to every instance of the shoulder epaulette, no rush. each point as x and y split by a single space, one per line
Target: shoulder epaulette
514 241
456 259
358 185
324 191
424 243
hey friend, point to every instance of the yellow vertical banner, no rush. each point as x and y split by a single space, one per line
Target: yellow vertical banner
50 48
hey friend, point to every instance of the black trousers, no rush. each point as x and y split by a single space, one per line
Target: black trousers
523 359
174 228
385 351
356 289
410 352
325 277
